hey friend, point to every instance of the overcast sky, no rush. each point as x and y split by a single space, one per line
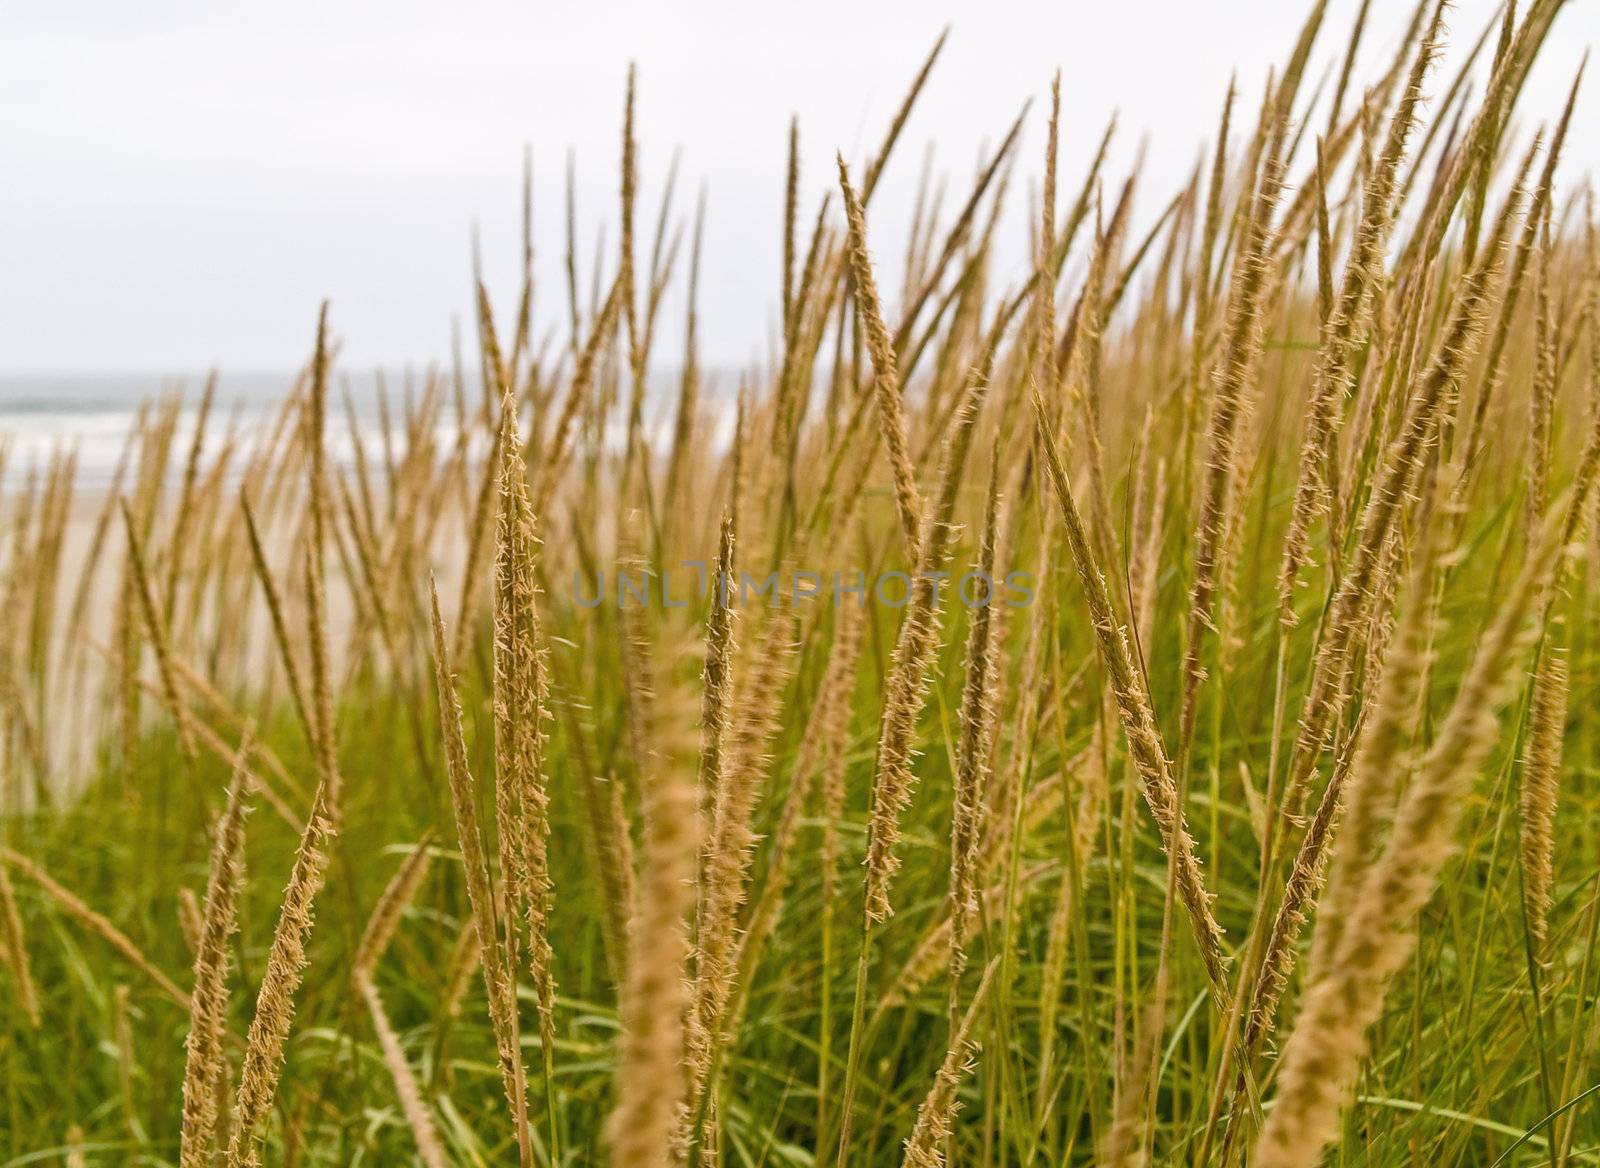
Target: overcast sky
182 181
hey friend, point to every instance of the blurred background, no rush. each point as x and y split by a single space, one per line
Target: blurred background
183 182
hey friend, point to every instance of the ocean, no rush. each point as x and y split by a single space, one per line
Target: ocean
93 413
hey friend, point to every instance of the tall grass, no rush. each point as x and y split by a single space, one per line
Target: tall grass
1132 710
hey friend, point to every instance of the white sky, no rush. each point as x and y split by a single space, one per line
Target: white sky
181 181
